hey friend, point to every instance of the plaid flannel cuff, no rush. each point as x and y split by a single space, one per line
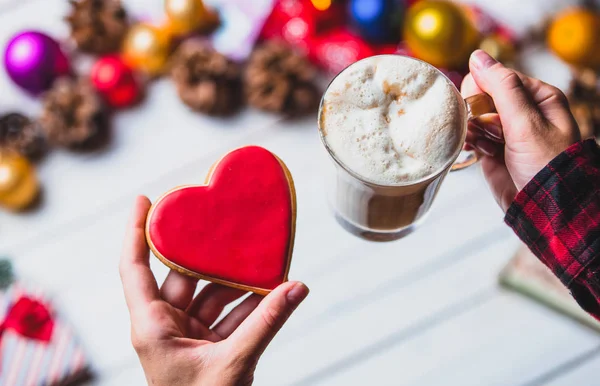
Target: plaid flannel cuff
557 214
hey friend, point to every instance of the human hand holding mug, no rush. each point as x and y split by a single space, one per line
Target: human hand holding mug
533 125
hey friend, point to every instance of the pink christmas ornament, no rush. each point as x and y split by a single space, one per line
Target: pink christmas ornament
33 60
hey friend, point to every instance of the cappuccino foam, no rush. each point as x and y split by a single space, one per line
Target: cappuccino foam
392 119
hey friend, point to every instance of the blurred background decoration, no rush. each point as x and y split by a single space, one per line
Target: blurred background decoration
188 45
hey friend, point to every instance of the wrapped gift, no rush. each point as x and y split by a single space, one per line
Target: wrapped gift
37 346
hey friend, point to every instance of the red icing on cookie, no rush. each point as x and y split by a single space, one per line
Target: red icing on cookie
238 229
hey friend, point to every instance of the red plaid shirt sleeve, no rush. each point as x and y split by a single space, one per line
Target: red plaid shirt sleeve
557 214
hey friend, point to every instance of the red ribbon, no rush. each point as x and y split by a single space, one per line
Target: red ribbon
30 319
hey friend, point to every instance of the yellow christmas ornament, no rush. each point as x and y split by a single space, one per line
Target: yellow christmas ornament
574 36
18 183
185 16
440 33
146 48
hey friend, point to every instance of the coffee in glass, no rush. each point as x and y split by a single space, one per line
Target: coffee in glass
394 127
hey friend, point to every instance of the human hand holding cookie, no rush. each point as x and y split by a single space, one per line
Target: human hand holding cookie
176 335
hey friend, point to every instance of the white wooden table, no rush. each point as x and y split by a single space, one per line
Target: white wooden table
425 310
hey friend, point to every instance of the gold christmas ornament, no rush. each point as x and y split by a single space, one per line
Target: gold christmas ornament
185 16
440 33
574 36
18 183
146 48
499 48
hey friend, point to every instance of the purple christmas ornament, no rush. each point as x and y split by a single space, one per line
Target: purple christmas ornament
33 61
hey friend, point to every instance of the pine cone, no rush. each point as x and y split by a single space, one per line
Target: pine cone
73 115
97 26
206 81
19 133
584 99
279 79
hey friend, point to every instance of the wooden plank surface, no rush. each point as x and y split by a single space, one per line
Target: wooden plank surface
425 310
480 345
581 370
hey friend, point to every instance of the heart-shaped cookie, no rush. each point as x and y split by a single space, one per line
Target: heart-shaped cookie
237 229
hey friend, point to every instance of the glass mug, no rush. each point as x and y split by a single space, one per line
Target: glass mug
389 212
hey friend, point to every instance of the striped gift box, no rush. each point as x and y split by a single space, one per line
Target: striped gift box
27 362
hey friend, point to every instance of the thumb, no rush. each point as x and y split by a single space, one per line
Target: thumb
502 84
253 336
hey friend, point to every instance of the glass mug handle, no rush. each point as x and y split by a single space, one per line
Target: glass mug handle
477 105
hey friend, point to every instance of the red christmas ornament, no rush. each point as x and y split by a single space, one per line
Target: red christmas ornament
116 82
339 49
298 21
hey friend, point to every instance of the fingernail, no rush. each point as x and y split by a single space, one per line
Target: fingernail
487 147
494 130
482 60
297 294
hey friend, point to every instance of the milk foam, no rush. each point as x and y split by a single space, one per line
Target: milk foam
392 119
